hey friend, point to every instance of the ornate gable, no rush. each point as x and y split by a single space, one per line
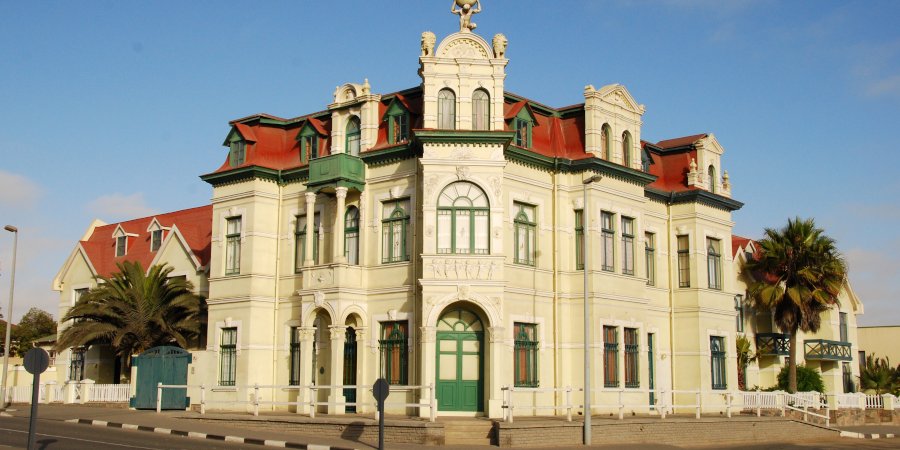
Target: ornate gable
617 94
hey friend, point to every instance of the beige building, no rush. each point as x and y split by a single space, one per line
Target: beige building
434 236
880 342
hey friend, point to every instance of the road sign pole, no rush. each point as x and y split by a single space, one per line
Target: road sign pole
381 389
36 362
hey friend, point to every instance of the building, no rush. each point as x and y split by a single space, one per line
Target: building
434 235
879 342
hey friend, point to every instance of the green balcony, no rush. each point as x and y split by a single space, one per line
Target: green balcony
825 350
772 344
338 170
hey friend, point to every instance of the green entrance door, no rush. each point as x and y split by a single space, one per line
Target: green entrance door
460 362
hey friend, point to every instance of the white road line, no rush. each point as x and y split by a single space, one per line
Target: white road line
81 440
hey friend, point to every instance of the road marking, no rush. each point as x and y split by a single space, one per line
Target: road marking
81 440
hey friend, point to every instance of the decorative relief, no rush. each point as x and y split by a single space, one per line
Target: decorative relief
395 192
427 334
428 41
500 45
461 269
496 186
578 203
323 277
430 184
392 314
464 48
307 333
463 291
462 172
496 334
462 153
319 298
337 332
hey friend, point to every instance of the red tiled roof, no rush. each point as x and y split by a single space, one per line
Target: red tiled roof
246 132
738 244
680 142
194 224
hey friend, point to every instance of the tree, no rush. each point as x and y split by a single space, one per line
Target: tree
35 324
745 356
878 375
133 311
797 274
808 380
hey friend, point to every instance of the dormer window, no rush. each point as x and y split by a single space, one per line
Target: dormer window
237 154
353 136
522 120
309 145
397 118
155 240
121 245
523 132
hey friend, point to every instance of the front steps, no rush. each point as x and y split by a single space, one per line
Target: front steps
468 432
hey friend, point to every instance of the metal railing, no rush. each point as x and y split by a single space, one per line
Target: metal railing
801 402
255 398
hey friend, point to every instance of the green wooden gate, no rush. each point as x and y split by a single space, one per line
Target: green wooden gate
460 362
166 365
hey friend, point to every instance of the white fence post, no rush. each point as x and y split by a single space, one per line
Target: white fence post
312 402
728 404
661 407
159 391
699 403
569 403
621 406
433 400
202 399
256 399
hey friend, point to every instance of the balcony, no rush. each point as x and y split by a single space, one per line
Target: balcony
338 170
772 344
825 350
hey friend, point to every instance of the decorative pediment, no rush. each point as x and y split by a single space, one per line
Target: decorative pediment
710 143
464 46
616 94
239 132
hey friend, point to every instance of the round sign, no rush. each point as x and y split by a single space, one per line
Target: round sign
36 360
381 389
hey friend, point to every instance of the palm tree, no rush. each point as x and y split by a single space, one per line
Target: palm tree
797 274
133 311
745 356
878 375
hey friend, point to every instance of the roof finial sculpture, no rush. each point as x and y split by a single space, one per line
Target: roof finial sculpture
466 9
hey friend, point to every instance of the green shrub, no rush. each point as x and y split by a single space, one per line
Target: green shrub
807 379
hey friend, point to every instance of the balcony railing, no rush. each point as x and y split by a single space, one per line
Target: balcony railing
825 350
772 344
337 170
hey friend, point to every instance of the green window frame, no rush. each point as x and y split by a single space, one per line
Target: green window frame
237 152
155 240
608 252
121 245
463 220
632 352
446 116
717 362
650 257
228 357
522 128
353 136
394 227
398 128
233 246
309 147
626 149
714 263
481 110
526 355
524 228
684 261
294 367
351 235
300 241
76 364
627 245
610 356
394 350
579 239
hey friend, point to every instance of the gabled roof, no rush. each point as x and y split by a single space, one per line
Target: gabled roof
194 225
670 144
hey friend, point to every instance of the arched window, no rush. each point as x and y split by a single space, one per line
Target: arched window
626 149
605 141
713 181
463 220
481 110
446 110
393 228
353 136
351 235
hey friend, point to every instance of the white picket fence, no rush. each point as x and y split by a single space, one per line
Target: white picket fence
109 393
860 400
84 393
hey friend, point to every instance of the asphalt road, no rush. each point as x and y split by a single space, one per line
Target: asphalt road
56 435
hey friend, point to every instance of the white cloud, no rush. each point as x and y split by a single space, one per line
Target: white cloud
885 87
17 190
117 207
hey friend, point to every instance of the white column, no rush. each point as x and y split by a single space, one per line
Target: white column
338 337
307 335
310 228
497 365
427 364
338 234
361 394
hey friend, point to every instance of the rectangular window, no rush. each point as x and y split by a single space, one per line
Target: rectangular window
610 357
237 153
684 261
526 355
849 386
300 242
398 128
632 349
608 252
714 263
76 364
627 246
524 227
78 293
393 347
121 244
394 226
309 148
228 357
233 246
717 361
155 240
579 239
294 378
739 310
650 256
843 327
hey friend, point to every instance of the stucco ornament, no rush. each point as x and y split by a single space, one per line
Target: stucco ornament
318 298
467 8
428 41
462 172
500 45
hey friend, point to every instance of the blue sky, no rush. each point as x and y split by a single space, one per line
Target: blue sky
112 109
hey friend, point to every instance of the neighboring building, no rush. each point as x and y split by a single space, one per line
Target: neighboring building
433 235
180 239
880 342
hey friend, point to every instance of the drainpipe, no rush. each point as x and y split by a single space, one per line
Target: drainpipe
277 286
556 398
672 269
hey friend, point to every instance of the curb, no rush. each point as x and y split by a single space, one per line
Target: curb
855 435
213 437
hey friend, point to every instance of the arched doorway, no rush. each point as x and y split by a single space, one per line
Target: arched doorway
460 361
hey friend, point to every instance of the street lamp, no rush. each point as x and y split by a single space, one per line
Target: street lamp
12 284
587 317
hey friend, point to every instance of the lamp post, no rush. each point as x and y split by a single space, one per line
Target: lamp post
587 317
12 284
